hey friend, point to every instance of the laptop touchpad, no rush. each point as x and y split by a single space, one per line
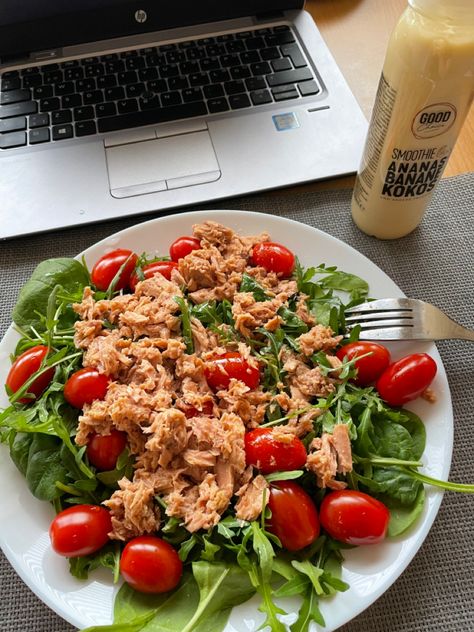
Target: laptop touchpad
161 163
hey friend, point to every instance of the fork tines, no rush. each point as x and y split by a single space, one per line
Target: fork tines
394 316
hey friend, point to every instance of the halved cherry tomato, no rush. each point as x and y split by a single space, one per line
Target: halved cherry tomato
353 517
84 386
108 266
294 516
191 411
24 367
163 267
104 450
370 367
221 369
270 455
274 258
406 378
80 530
183 246
150 565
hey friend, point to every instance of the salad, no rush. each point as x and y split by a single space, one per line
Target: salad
204 427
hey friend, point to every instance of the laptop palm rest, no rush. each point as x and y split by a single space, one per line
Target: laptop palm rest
159 164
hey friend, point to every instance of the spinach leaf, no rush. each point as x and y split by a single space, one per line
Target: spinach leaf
392 440
45 467
20 444
417 431
396 483
108 557
34 296
402 517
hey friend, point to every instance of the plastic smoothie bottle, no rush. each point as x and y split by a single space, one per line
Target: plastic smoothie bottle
423 98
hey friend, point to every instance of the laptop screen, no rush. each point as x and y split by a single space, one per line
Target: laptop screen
37 25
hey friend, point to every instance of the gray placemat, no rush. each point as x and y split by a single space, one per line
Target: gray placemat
435 263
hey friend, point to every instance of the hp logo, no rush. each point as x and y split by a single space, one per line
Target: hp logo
140 16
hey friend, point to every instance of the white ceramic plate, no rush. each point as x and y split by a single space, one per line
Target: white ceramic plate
368 570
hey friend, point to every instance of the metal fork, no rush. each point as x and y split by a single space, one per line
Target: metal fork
404 319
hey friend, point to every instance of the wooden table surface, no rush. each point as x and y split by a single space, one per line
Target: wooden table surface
357 34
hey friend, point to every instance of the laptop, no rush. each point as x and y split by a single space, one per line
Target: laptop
112 108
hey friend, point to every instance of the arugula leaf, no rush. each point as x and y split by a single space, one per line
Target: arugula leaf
249 284
186 323
292 323
34 296
309 611
108 557
270 609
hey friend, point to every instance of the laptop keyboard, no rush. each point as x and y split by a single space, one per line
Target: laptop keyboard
152 85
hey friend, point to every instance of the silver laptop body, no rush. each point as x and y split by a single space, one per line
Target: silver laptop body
159 166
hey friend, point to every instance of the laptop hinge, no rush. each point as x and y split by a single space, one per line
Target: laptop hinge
269 15
23 58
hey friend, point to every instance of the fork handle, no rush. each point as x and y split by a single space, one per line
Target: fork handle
458 332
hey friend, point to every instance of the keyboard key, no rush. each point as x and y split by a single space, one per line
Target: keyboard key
178 83
34 70
134 63
72 63
175 57
289 76
40 135
188 67
90 98
157 86
243 34
12 83
61 116
71 101
86 85
129 53
240 72
85 128
198 79
117 65
218 105
169 70
149 101
96 70
61 132
12 124
107 81
18 109
151 117
215 50
225 38
135 90
238 101
126 106
262 68
38 120
31 81
83 114
281 64
148 74
192 94
255 83
270 53
14 139
227 61
259 97
293 52
281 28
254 43
213 91
129 76
14 96
237 46
105 109
219 76
56 76
72 74
308 87
289 93
193 54
250 57
49 67
65 87
10 74
167 47
209 63
109 57
171 98
114 94
284 38
43 92
234 87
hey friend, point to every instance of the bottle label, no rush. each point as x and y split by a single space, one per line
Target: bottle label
434 120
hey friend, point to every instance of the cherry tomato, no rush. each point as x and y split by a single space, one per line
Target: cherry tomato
274 258
354 517
150 565
406 379
221 369
80 530
23 368
191 411
183 246
109 264
370 367
270 455
163 267
104 450
84 386
294 517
